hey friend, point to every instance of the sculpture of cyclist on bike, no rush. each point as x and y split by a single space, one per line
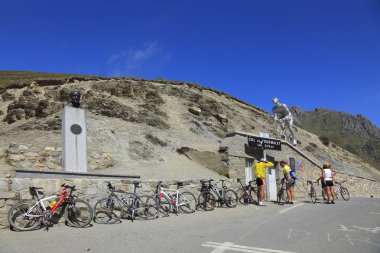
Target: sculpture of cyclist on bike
282 114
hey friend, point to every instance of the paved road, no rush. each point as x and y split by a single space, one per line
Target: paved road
352 226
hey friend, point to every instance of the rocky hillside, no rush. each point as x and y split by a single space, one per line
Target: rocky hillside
354 133
138 127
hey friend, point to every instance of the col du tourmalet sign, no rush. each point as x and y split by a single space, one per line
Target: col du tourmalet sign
264 143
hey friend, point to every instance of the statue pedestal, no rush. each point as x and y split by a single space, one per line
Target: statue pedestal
74 139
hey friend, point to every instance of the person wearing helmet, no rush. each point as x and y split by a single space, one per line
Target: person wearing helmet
327 174
260 168
281 112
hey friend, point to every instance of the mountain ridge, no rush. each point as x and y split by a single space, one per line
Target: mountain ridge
138 126
355 133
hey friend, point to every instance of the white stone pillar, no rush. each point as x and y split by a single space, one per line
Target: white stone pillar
74 139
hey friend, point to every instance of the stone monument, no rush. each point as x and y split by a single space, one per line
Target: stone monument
74 136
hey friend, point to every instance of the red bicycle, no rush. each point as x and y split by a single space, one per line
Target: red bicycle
27 216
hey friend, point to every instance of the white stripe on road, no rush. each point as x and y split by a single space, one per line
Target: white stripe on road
221 247
290 208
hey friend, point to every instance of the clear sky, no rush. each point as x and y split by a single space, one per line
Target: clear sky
309 53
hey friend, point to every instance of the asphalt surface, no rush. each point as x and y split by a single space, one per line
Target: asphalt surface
348 226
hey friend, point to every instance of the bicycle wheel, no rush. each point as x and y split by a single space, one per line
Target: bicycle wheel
145 207
163 206
151 201
281 198
344 193
313 195
24 216
206 201
78 213
230 198
187 202
290 138
243 196
107 211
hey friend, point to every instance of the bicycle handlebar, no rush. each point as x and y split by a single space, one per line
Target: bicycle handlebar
311 182
67 186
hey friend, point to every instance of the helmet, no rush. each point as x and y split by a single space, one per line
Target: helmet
275 100
263 159
326 165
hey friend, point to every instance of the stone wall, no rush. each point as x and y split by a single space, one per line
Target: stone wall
22 155
14 190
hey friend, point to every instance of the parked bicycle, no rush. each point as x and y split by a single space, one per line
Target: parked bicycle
247 194
120 204
27 216
206 200
340 189
282 197
173 200
312 193
210 195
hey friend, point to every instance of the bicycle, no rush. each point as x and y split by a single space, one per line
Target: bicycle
26 216
282 128
206 200
221 195
111 209
282 197
342 190
173 200
245 193
313 192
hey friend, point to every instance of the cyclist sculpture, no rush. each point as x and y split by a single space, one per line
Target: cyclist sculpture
283 117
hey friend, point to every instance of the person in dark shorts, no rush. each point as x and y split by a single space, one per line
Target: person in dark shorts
290 181
260 168
328 174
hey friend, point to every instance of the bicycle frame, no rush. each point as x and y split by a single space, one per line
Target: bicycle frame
312 193
173 202
247 191
40 202
129 203
248 188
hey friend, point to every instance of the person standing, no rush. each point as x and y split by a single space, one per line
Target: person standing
260 168
290 181
327 175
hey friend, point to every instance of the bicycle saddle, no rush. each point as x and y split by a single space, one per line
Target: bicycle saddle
35 188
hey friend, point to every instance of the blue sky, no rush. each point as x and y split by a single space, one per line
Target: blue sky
309 53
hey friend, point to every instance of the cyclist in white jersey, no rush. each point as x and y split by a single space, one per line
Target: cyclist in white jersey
327 174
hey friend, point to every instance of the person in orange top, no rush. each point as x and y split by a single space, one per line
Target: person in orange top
261 171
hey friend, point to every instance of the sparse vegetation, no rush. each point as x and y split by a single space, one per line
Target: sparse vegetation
154 140
313 145
6 96
325 141
20 79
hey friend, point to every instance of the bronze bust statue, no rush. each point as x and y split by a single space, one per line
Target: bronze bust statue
75 98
